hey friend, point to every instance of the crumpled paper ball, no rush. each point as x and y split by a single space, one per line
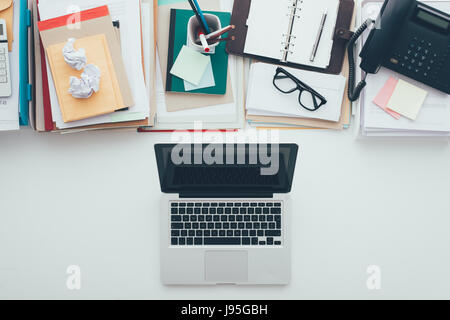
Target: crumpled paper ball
84 87
75 58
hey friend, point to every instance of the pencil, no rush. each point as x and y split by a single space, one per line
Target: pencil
220 32
202 17
214 41
197 14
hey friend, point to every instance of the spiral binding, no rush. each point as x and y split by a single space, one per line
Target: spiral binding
292 14
294 7
287 42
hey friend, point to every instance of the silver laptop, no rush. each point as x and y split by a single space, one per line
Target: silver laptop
225 213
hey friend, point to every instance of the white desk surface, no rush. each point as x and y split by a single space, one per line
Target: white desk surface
92 200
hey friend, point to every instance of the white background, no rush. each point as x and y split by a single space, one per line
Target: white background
92 200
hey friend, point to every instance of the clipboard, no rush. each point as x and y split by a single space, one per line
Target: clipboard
342 34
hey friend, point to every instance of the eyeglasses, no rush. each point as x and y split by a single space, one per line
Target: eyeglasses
287 83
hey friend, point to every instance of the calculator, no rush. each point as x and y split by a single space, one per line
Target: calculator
5 74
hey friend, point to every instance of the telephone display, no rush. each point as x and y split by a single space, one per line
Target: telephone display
432 20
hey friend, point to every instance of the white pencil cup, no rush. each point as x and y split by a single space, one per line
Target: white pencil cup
193 27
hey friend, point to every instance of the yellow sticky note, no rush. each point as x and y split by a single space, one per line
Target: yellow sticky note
407 99
107 100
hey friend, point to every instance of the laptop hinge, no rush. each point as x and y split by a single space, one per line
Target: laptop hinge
226 195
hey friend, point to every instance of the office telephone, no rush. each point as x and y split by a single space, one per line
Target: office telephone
408 37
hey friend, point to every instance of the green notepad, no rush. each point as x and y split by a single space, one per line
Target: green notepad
177 39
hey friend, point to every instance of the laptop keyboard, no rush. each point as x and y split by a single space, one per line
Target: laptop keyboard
225 223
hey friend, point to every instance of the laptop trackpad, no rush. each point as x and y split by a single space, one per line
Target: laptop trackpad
226 266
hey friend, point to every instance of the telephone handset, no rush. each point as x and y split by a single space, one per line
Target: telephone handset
408 37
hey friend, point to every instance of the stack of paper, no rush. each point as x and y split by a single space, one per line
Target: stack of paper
127 97
129 27
187 111
393 105
411 117
268 107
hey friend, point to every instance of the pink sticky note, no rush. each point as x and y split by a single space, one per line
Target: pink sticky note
385 94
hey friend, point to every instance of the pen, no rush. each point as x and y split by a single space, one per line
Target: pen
220 32
319 35
197 14
202 17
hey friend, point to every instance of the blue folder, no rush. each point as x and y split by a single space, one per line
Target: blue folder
25 87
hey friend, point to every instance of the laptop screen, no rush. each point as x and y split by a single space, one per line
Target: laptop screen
226 169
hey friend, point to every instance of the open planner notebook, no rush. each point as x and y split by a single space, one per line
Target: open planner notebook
287 30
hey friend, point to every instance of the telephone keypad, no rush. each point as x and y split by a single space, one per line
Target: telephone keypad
420 60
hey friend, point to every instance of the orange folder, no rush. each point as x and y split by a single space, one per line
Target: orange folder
107 100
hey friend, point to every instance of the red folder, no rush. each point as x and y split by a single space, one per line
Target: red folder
48 119
143 130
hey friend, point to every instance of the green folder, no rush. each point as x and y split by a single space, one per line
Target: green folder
177 38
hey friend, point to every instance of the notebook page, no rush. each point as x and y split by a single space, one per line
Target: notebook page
306 29
267 22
